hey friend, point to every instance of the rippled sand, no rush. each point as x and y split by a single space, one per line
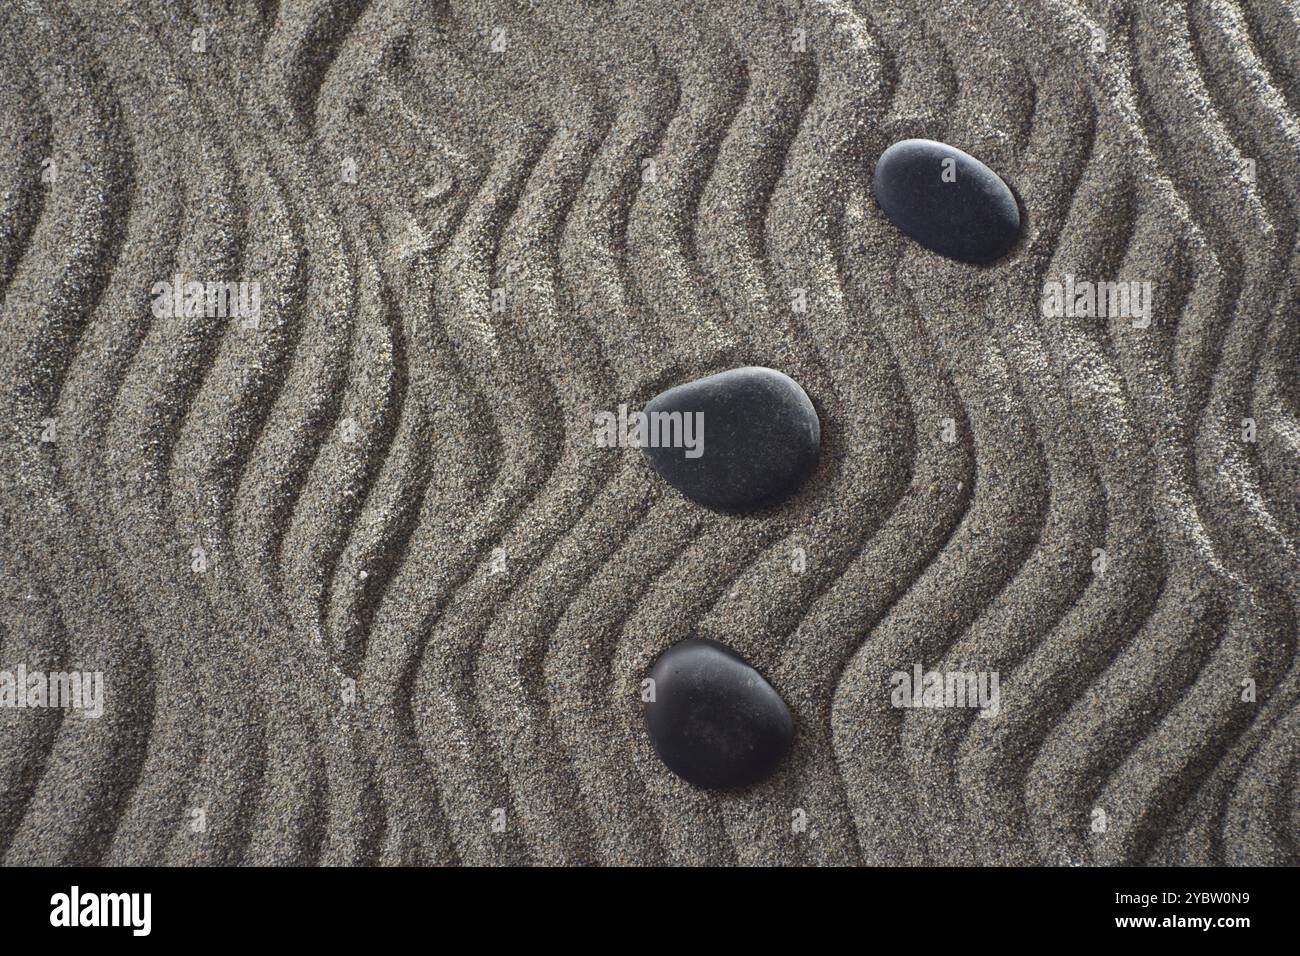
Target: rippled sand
363 589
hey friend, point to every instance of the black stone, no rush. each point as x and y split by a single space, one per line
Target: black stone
974 218
714 720
762 438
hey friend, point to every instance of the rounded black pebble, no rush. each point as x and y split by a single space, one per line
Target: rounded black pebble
714 720
972 218
762 439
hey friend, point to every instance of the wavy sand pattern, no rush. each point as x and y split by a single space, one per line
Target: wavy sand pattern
393 480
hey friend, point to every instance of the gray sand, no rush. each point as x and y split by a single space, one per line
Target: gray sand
362 588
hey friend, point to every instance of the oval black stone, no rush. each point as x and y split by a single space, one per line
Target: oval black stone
961 209
761 439
714 720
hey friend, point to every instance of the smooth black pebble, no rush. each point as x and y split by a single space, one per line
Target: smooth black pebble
714 720
762 438
972 218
